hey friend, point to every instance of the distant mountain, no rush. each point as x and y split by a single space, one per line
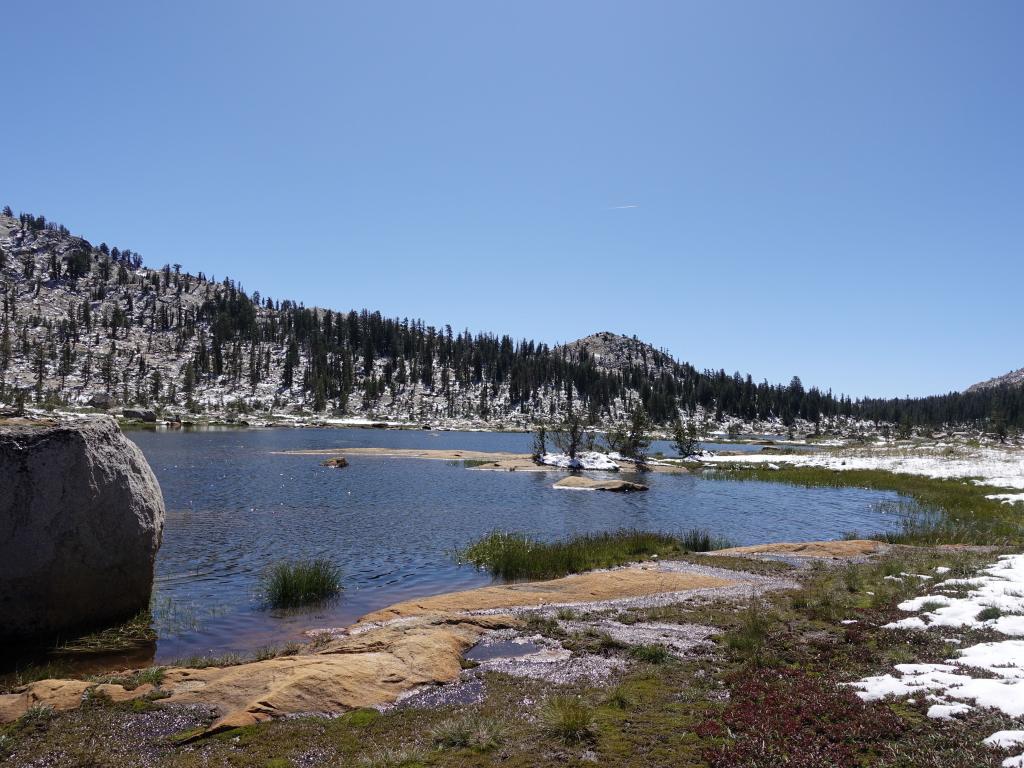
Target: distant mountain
84 324
1011 379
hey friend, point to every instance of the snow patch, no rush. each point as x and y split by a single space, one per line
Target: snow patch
950 685
1007 498
592 460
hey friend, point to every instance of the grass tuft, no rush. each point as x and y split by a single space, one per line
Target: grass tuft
652 654
475 732
394 757
748 640
618 698
516 556
702 540
568 718
202 662
305 582
132 680
37 713
989 613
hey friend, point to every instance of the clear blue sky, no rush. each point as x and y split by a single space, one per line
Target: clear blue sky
829 189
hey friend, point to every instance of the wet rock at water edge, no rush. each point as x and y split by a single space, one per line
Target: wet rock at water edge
81 519
590 484
338 462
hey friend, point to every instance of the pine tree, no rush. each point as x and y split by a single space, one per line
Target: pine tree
572 435
685 439
540 441
5 346
633 440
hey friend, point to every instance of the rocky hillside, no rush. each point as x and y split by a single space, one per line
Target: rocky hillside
85 324
616 352
1011 379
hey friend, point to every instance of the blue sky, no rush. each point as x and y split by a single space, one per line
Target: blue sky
833 190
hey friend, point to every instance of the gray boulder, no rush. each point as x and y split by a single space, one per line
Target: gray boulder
138 414
81 518
102 400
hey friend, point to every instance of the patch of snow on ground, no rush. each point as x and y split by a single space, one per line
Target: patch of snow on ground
587 460
1007 498
999 467
1000 586
950 685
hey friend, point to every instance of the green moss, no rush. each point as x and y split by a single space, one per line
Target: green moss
359 718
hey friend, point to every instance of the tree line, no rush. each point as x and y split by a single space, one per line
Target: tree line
328 355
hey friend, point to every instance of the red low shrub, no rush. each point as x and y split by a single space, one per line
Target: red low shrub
789 718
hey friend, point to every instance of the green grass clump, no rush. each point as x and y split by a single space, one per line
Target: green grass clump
475 732
516 556
749 638
702 540
394 757
202 662
265 652
652 654
37 713
568 718
618 698
294 584
989 613
132 680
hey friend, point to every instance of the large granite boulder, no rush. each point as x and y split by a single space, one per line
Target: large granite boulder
81 517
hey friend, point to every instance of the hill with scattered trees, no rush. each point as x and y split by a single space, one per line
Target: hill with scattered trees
89 324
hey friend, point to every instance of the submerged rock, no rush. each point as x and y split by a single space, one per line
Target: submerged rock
81 517
338 462
590 484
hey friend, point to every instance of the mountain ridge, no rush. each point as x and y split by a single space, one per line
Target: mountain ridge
84 324
1011 379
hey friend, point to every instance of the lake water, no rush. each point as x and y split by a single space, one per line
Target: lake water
235 506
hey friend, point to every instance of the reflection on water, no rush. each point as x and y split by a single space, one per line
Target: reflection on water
234 506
